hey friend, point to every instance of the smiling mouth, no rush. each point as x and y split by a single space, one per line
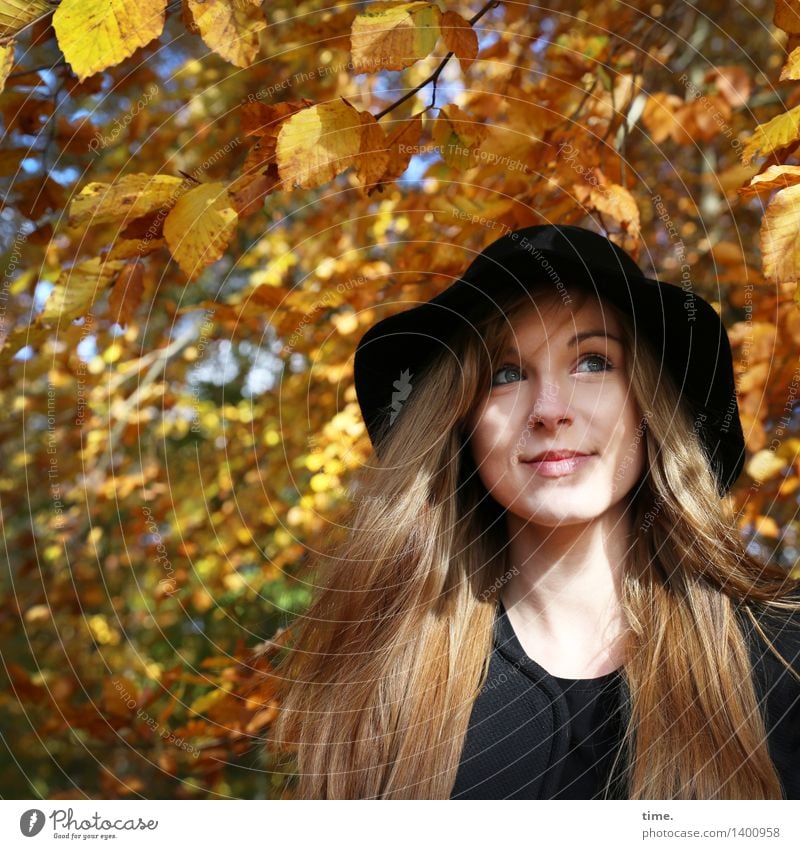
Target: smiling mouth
558 468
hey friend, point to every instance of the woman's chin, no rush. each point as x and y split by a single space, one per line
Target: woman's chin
548 516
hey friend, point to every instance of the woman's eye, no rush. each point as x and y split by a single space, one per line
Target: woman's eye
601 364
605 364
505 369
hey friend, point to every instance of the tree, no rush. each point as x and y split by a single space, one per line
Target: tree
208 202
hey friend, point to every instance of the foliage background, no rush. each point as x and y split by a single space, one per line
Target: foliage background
179 425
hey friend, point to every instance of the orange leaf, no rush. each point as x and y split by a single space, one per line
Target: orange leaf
373 155
787 16
126 293
775 177
460 38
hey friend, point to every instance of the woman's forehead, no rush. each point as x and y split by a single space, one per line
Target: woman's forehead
551 315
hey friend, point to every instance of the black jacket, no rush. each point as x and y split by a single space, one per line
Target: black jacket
518 731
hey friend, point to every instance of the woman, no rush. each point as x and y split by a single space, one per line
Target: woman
543 593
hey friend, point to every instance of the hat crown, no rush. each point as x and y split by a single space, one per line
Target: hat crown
575 245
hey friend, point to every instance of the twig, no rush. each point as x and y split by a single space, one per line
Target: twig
52 67
435 75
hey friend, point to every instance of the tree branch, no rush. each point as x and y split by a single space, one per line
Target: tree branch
435 75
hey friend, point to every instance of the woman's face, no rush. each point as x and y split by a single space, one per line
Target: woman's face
563 389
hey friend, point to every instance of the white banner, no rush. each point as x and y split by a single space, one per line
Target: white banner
420 824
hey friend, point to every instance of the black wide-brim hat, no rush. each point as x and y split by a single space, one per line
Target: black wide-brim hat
682 327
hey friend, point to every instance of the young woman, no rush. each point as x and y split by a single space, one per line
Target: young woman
542 593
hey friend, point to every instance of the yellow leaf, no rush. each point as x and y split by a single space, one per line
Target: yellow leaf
775 177
789 450
321 482
764 465
316 144
96 34
780 236
21 337
200 227
77 288
765 526
130 248
6 62
791 70
457 135
781 131
393 35
15 14
229 28
346 323
132 196
460 38
37 613
202 703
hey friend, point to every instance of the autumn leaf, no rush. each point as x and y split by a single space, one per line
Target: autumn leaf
38 196
316 144
733 83
780 236
21 337
10 160
95 34
130 197
787 16
782 130
774 177
6 62
131 248
15 14
766 526
764 465
230 29
401 145
597 192
791 70
263 119
393 35
460 38
77 288
373 155
126 293
188 19
249 191
658 115
457 135
200 226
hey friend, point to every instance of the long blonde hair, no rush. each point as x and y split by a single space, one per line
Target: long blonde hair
384 668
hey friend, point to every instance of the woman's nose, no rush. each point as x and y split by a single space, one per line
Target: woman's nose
551 406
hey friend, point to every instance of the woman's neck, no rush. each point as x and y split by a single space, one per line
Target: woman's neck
563 595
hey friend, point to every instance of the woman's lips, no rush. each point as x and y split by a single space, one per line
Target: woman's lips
558 468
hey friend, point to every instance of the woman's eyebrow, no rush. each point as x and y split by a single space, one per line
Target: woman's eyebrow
587 334
578 337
